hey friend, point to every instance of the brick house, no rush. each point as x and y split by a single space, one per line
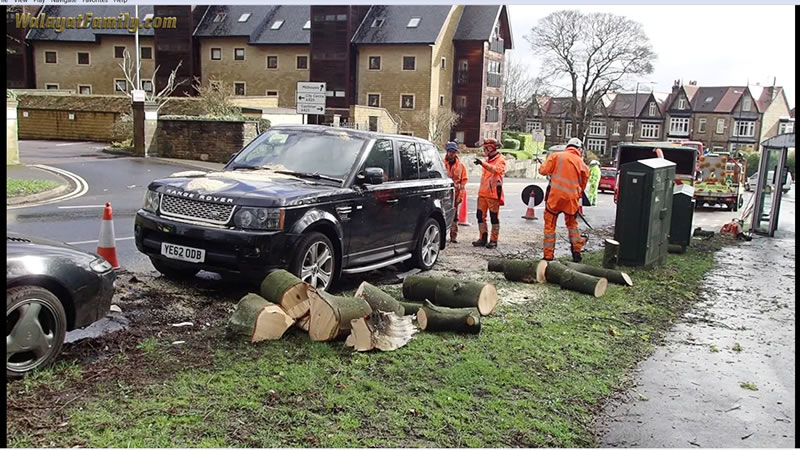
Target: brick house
552 114
636 117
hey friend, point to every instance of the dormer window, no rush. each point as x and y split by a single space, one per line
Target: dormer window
746 104
244 17
414 22
709 99
220 17
682 103
377 23
276 25
307 26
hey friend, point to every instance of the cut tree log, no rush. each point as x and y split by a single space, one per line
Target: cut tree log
674 248
610 254
520 270
259 319
283 288
385 331
303 322
450 292
460 320
613 276
496 264
331 315
410 308
557 273
379 300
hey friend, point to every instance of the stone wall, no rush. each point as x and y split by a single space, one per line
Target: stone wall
12 147
203 140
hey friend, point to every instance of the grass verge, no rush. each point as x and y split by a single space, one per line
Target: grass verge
18 188
535 376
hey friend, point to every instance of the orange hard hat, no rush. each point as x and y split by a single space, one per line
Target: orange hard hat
492 142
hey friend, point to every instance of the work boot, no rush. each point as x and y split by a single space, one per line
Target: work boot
480 242
491 244
576 257
453 240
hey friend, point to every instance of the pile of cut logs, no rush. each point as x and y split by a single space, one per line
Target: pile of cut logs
371 319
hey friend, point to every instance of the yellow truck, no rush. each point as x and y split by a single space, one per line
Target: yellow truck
720 181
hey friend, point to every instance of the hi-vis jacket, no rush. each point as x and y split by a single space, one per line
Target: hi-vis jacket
568 177
494 169
458 172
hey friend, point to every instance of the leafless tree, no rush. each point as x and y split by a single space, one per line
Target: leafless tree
128 66
519 91
441 124
593 54
216 98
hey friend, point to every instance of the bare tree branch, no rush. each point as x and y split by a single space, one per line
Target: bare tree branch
128 66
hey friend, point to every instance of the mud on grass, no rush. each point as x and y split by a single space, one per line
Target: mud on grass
535 376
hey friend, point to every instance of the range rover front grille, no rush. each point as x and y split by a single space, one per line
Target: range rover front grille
184 208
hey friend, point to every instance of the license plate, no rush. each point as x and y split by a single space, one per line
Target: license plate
189 254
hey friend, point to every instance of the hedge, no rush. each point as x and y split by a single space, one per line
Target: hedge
510 144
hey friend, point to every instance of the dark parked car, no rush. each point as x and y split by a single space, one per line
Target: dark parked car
316 200
51 288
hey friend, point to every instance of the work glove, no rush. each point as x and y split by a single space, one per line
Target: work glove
477 162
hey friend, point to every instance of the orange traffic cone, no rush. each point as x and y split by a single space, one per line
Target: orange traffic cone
462 214
529 213
107 245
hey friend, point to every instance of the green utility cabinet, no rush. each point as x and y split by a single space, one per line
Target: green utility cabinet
680 228
644 211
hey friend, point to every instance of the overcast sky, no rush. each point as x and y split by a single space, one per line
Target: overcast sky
717 45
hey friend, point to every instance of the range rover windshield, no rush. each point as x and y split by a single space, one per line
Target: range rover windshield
321 154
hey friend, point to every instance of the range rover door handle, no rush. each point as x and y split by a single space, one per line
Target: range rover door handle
426 196
392 201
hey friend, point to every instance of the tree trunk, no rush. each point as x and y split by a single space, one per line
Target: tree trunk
381 330
450 292
379 300
496 264
460 320
331 315
524 271
610 254
557 273
410 308
283 288
614 276
259 319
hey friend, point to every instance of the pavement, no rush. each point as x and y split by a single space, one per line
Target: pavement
726 376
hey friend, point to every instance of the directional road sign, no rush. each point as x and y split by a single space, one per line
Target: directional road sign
311 97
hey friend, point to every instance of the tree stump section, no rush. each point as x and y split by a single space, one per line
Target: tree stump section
613 276
557 273
610 254
379 300
283 288
331 315
303 322
521 271
460 320
385 331
410 308
259 319
443 291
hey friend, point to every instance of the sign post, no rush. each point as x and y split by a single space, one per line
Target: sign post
311 97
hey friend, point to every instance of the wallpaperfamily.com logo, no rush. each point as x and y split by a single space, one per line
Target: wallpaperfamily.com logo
88 20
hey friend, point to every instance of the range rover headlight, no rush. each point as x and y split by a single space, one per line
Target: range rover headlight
259 218
100 265
151 199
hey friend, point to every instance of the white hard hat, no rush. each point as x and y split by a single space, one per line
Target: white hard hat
594 163
575 142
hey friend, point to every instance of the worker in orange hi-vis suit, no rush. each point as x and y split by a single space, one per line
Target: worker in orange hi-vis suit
568 176
490 194
458 172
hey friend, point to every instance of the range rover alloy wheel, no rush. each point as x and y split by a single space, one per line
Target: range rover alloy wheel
428 246
315 261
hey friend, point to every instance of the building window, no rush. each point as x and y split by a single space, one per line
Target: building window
119 51
147 86
307 25
85 89
146 52
238 54
681 103
341 17
244 17
746 104
597 128
377 23
407 101
650 131
276 25
701 126
745 128
272 93
302 62
629 132
239 88
50 58
559 129
720 126
441 100
120 85
679 126
51 86
409 63
493 76
444 63
413 23
785 127
616 128
568 134
219 17
216 54
652 111
407 133
547 129
533 125
492 109
461 104
374 63
272 62
83 58
596 146
374 100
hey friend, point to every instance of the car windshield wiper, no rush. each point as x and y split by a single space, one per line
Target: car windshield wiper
245 166
314 175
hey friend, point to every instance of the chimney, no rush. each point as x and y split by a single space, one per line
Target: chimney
773 92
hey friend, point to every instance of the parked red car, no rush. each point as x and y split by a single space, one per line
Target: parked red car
608 179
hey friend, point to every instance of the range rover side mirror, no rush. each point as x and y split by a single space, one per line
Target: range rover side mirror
233 155
371 175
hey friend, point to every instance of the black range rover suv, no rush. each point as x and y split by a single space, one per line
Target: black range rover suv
316 200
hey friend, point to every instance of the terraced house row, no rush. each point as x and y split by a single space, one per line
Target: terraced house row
417 62
724 119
